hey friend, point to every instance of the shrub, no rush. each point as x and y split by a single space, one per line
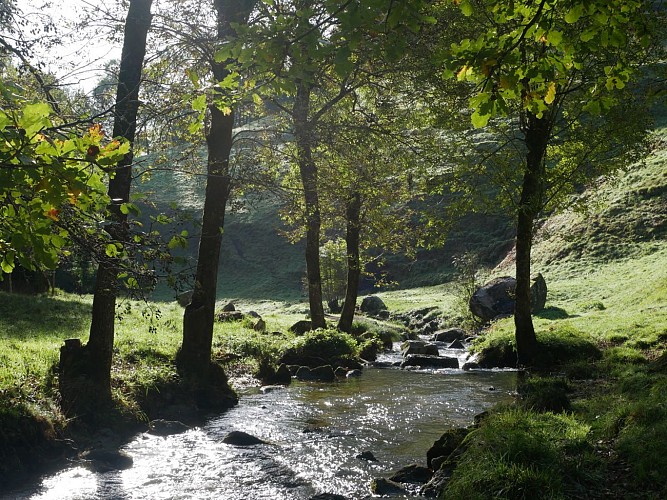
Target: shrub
325 344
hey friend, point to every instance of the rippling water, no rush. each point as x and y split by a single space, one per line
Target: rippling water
315 431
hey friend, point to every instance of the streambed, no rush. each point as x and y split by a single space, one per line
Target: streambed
315 432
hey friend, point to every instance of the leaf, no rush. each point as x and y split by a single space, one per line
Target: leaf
480 120
551 93
129 208
34 117
193 76
574 14
111 250
7 263
199 103
466 8
555 37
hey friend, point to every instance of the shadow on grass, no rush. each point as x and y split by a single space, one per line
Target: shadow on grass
31 316
554 313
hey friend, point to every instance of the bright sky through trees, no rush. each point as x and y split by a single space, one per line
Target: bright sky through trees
80 60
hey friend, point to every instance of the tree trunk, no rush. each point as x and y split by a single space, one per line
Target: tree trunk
194 358
352 216
98 352
308 169
532 191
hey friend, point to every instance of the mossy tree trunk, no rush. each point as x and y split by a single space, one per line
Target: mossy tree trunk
353 220
303 136
194 357
86 375
536 132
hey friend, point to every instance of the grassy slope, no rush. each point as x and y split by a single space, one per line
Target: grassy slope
606 269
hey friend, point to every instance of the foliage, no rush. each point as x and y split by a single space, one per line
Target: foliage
51 186
466 282
334 269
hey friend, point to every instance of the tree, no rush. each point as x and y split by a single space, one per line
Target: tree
94 360
552 80
307 57
194 357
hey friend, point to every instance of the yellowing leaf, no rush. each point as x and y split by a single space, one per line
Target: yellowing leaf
551 93
462 73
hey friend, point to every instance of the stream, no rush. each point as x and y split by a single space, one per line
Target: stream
314 432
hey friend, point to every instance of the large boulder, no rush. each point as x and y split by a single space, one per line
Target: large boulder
372 305
446 444
430 361
538 292
496 298
418 347
301 327
384 487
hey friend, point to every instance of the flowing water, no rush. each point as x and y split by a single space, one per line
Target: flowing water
314 432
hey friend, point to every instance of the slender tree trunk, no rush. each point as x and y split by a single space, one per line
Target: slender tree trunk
352 215
536 136
98 351
194 358
308 169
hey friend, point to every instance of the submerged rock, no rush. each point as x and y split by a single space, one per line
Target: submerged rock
240 438
104 460
161 427
367 455
323 373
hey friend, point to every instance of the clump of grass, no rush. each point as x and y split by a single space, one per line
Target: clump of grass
545 394
324 344
519 453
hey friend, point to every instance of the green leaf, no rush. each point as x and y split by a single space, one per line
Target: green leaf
7 263
193 76
111 250
574 13
466 8
199 103
555 37
480 120
129 208
34 118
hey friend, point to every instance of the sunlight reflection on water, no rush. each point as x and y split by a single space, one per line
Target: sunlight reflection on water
315 432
